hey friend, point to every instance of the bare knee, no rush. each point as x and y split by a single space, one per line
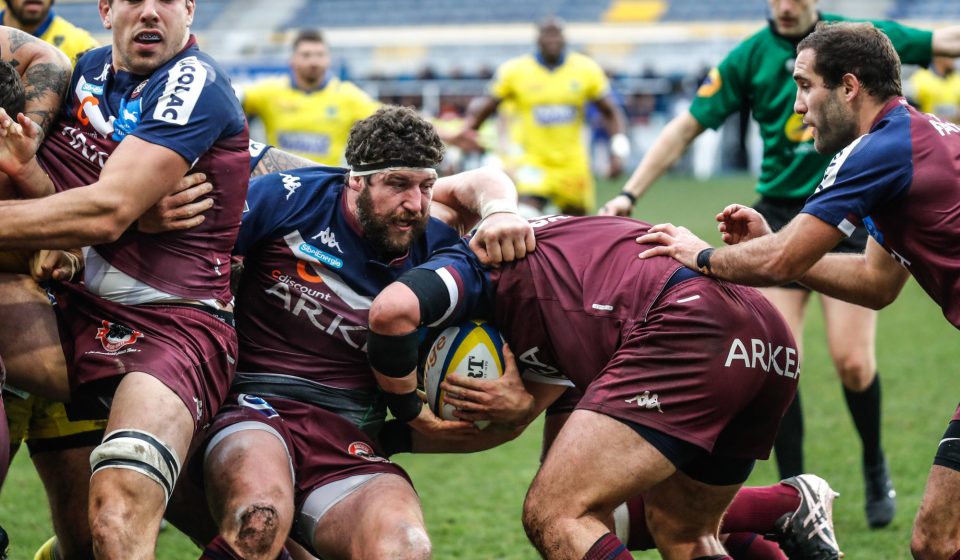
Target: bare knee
856 368
259 532
403 540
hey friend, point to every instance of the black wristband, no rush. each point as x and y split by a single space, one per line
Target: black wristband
703 261
396 437
404 407
630 196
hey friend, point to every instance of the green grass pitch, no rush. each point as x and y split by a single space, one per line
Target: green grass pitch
472 502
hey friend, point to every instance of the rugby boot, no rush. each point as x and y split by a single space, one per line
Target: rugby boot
807 533
4 544
881 498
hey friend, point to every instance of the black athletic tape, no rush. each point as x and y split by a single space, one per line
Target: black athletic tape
136 465
168 457
404 407
396 437
431 292
948 452
393 356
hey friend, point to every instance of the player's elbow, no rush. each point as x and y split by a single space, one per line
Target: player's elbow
395 311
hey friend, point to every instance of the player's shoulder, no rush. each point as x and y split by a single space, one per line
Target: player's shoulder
580 60
522 63
298 184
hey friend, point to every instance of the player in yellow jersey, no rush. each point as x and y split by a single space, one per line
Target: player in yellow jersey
60 448
308 113
37 18
549 91
936 89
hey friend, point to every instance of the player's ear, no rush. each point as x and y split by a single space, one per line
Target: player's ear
103 6
191 6
355 183
851 86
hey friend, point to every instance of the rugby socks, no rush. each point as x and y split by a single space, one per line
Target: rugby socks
608 547
639 536
956 556
788 446
756 509
864 408
751 546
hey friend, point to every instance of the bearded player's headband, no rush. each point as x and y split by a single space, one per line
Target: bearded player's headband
364 169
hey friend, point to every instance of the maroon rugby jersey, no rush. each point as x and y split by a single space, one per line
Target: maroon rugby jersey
186 105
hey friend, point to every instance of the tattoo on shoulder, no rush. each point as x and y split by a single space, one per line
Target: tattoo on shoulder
278 160
45 81
18 39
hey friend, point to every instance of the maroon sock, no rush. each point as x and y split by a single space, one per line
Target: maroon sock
639 537
756 509
608 547
956 556
219 549
751 546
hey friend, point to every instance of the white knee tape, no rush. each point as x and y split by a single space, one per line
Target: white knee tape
139 451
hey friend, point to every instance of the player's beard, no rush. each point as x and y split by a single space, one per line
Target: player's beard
25 18
836 128
376 227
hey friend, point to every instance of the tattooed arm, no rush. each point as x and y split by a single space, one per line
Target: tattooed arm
276 159
44 69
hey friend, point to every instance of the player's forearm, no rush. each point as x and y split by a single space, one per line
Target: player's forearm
276 159
488 438
850 278
62 221
476 194
664 154
764 261
32 181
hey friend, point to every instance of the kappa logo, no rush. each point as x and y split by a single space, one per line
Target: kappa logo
104 74
646 400
328 238
114 336
364 451
290 183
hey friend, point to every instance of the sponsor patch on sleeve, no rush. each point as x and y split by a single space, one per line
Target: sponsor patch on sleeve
185 82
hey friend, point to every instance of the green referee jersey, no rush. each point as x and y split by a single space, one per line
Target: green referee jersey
758 74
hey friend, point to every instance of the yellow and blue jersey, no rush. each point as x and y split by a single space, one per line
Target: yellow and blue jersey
313 124
549 104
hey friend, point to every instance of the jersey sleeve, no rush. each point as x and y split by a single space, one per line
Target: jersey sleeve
724 90
465 279
252 98
872 171
501 86
189 109
361 103
598 86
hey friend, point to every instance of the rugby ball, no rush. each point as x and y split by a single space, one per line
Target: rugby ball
471 349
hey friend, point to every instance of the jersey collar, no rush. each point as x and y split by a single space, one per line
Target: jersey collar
898 101
563 58
323 84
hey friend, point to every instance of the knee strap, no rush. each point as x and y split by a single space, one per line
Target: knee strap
139 451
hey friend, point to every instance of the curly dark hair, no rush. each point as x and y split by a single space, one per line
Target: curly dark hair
856 48
394 134
12 96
